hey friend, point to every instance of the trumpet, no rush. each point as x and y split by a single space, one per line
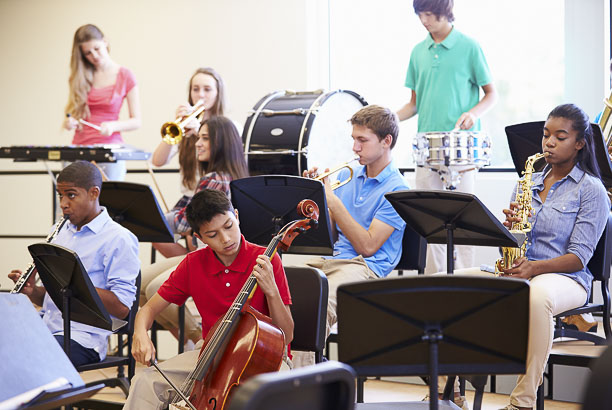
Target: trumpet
338 184
172 132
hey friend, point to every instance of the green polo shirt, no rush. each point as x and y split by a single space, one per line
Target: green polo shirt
446 78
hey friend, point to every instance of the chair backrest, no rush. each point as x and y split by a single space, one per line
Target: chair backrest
309 293
600 262
414 251
324 386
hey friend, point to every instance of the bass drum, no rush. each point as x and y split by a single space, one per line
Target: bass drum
289 132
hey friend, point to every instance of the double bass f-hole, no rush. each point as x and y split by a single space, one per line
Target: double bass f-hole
244 342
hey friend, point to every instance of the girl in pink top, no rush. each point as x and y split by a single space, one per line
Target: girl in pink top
98 87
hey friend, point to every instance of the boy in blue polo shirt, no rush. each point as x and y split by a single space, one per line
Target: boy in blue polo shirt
369 231
445 74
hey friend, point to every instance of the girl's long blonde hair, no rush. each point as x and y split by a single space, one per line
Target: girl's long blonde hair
81 72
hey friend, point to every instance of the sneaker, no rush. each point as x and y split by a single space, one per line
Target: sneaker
189 346
577 322
509 407
460 401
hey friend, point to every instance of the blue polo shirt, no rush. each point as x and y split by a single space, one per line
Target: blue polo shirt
364 199
109 253
446 78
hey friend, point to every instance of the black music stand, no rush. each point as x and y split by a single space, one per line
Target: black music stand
450 217
31 358
525 140
135 207
403 326
266 203
69 286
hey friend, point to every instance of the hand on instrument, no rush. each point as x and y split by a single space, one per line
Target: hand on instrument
143 349
184 110
264 273
466 121
107 128
70 123
521 268
311 173
28 288
511 215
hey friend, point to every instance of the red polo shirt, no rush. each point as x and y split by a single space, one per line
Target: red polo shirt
214 286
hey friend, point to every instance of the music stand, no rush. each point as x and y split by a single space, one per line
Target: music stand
525 140
450 217
403 326
31 359
135 207
69 286
267 202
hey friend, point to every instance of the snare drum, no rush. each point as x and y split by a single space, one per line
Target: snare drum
434 149
289 132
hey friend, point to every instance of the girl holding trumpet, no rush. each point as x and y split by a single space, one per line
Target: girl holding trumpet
207 89
98 87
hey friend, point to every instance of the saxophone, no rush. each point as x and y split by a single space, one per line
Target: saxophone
520 229
30 269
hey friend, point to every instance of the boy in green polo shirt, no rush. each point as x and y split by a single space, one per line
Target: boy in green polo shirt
446 72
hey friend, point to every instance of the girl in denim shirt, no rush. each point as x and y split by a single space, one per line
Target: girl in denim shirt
571 208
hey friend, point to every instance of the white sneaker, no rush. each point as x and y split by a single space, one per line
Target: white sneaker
459 401
189 346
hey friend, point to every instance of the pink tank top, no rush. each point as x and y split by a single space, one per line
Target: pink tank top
104 105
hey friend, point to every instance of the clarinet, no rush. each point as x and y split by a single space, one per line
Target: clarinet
30 269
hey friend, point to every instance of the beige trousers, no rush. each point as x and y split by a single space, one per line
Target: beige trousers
549 294
153 276
436 254
338 272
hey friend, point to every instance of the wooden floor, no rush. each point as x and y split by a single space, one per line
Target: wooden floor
375 391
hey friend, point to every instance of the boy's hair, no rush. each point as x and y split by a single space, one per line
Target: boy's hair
82 174
437 7
382 121
205 205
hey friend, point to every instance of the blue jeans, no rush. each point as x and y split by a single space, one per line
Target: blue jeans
79 355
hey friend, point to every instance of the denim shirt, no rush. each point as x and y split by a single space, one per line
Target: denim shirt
570 221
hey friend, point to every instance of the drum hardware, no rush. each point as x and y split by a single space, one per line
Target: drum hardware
172 132
297 111
337 184
448 153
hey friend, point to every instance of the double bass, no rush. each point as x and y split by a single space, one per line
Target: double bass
242 343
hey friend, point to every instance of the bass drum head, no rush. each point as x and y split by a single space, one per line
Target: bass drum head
290 132
329 140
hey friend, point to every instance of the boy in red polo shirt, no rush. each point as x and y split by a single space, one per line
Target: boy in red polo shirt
213 276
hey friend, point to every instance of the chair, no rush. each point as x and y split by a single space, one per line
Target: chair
414 252
599 265
119 360
405 327
309 294
324 386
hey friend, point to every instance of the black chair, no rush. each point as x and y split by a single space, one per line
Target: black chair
119 360
309 294
599 265
414 253
324 386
